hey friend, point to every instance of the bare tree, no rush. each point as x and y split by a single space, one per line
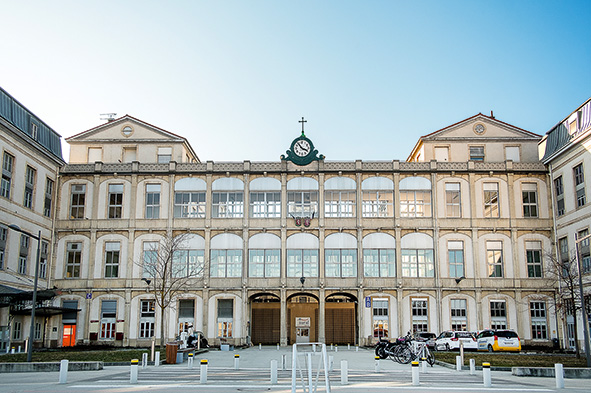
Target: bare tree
565 272
168 269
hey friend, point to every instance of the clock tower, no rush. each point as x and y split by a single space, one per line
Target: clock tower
302 150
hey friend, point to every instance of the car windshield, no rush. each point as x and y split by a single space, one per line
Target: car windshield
464 334
427 335
506 334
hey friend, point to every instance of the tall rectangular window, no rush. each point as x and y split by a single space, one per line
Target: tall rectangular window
455 252
380 317
70 317
226 263
340 263
150 259
379 262
265 204
188 263
48 197
73 259
494 258
539 330
186 309
112 255
264 263
225 317
302 203
302 263
115 200
417 263
16 330
43 259
563 248
559 193
7 166
108 319
579 176
584 252
152 201
453 200
189 204
415 203
227 204
30 175
77 200
420 314
533 255
147 317
459 318
24 254
3 236
339 203
498 314
529 193
491 200
378 203
477 153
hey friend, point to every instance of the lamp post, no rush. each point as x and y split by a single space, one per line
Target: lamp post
582 295
37 260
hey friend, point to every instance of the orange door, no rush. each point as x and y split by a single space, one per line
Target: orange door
69 337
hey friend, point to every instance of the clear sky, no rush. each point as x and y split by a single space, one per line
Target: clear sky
234 77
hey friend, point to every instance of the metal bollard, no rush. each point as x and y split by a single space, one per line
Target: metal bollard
284 362
144 360
133 371
64 371
472 366
190 361
344 372
203 371
273 372
459 363
236 362
486 375
415 373
423 365
157 359
377 359
559 374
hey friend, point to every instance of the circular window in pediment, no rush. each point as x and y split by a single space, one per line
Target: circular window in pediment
479 128
127 131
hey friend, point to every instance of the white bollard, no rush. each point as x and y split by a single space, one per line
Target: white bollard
64 371
559 373
236 362
144 360
486 375
423 365
12 351
284 362
19 349
356 348
377 359
152 349
157 359
260 346
348 347
133 371
336 348
273 372
310 379
278 347
458 363
190 361
331 347
330 362
203 371
344 372
415 373
472 366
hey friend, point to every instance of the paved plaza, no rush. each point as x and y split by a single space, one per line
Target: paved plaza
254 375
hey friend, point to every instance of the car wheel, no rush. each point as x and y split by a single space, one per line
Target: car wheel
490 348
447 347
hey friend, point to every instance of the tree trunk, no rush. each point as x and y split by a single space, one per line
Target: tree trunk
162 340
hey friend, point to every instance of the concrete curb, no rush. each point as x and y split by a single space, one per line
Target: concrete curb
571 372
48 367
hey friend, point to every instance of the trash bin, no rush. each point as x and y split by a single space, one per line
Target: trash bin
171 352
555 343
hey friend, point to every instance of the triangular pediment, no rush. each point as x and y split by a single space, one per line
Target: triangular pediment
126 128
480 127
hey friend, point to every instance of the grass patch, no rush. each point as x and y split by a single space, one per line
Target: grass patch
82 355
500 359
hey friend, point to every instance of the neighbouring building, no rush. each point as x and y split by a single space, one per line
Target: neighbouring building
303 248
566 150
31 158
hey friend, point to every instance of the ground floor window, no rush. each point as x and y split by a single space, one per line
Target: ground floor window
17 330
380 317
37 331
459 320
420 313
186 314
498 314
539 329
225 317
108 319
147 318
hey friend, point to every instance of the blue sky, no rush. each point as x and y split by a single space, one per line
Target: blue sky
234 77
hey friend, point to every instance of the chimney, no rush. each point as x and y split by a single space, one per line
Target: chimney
491 114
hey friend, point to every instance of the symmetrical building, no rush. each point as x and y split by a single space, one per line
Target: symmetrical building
299 249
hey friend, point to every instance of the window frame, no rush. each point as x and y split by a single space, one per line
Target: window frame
379 265
227 204
115 200
264 263
77 201
152 210
495 269
339 203
416 266
7 172
112 259
193 204
73 263
267 207
491 203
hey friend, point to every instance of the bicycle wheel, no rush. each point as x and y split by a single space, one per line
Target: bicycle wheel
404 355
430 358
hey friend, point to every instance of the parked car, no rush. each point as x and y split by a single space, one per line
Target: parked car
450 340
428 337
498 340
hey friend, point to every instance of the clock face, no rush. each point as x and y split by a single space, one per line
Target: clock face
301 148
479 129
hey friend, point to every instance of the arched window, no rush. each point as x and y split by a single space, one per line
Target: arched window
415 197
302 197
339 197
227 198
226 256
379 255
264 255
189 198
265 198
340 255
302 255
378 197
417 255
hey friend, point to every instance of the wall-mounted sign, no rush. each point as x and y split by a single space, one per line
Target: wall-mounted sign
302 322
368 302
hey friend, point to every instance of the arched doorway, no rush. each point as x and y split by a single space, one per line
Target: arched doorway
302 317
340 319
265 319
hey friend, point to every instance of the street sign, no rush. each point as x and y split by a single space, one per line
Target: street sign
368 302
